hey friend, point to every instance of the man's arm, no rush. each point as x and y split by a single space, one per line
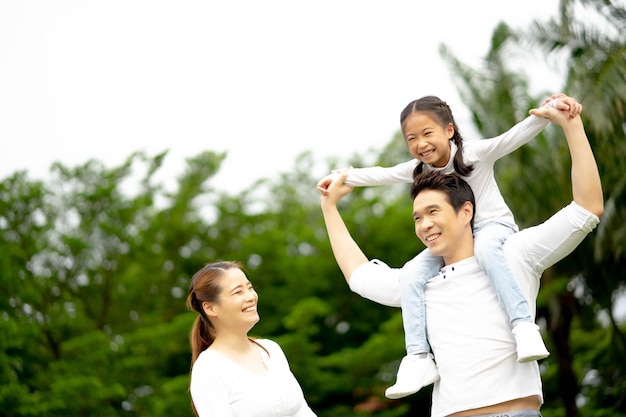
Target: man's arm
347 253
534 249
586 185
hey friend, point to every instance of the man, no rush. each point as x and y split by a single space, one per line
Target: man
468 329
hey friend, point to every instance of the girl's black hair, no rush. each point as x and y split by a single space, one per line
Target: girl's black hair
441 112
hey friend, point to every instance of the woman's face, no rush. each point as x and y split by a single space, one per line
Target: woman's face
427 140
237 305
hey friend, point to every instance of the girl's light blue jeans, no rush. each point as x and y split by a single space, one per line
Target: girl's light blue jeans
488 240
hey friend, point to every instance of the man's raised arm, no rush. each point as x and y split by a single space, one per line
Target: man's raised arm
534 249
347 253
586 185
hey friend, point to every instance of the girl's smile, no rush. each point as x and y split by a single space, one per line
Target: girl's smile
427 140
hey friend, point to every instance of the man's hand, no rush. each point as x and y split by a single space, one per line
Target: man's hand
324 183
565 103
558 117
335 188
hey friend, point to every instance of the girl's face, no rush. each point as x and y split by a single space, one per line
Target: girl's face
427 140
237 305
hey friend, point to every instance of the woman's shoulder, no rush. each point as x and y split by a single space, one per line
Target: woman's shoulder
269 345
211 364
275 353
208 356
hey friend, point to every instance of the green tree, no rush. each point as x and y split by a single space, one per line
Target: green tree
93 279
95 262
586 283
590 35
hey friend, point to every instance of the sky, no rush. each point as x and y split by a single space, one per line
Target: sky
260 80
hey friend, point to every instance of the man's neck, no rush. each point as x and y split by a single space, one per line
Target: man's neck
463 251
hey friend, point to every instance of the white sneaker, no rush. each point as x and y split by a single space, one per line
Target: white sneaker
530 346
415 372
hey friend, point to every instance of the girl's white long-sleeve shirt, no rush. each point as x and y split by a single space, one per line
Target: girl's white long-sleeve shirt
223 388
482 154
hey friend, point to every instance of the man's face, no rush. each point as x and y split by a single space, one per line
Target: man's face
444 231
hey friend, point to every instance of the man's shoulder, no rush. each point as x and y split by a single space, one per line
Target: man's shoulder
536 248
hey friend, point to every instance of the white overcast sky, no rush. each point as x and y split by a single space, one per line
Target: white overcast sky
262 80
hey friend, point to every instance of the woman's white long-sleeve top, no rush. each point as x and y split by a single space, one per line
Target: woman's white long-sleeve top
223 388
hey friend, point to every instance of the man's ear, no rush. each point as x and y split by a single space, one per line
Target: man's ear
468 211
210 309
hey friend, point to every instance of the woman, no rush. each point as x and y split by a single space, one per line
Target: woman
233 375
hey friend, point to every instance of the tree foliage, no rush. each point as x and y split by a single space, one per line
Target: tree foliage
95 261
578 294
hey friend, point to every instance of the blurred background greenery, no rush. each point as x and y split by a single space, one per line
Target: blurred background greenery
95 261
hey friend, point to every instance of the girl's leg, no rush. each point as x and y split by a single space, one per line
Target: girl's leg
415 274
417 368
488 241
488 249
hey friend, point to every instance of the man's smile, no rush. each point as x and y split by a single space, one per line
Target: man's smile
432 237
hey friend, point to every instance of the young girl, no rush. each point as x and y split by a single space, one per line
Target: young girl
433 139
232 374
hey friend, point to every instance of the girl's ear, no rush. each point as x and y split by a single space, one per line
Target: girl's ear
210 309
450 130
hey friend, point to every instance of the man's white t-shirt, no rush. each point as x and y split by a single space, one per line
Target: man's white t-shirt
468 329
